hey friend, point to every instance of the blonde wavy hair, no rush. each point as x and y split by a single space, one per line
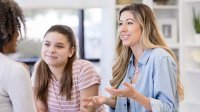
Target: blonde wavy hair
151 38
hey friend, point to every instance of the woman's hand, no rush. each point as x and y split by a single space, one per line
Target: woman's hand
129 91
95 101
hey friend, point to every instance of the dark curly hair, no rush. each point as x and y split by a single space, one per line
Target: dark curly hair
11 21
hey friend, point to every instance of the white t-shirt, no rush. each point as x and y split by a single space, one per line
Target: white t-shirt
15 87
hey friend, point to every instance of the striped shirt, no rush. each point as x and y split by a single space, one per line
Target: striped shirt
83 76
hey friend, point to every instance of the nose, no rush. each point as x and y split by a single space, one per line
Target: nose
51 49
123 28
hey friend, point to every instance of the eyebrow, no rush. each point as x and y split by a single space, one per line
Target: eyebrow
128 19
55 43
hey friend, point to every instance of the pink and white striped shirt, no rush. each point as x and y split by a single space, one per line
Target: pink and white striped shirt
84 75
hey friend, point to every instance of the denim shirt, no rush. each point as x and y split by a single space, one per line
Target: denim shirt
157 80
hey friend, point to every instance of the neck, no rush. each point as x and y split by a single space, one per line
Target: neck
135 62
137 52
57 72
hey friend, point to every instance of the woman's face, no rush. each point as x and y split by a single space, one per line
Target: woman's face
10 47
56 49
129 29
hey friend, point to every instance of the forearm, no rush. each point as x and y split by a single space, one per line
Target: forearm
41 110
110 102
143 100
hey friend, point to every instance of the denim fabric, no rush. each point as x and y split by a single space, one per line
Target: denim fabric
157 80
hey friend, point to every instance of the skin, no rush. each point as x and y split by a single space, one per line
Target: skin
55 51
10 47
130 33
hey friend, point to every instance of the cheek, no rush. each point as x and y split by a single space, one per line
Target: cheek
136 33
120 30
43 50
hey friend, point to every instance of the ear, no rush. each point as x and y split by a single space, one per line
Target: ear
71 52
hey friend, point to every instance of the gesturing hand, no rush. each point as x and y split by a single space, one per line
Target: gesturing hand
95 101
129 91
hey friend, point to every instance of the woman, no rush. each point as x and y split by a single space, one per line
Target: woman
145 71
60 79
15 86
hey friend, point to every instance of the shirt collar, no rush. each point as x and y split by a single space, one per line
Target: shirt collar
143 58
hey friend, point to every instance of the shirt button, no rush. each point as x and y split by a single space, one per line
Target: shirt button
125 105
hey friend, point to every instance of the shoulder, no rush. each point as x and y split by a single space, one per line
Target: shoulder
12 71
160 54
82 63
7 63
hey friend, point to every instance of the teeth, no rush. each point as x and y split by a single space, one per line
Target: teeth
125 36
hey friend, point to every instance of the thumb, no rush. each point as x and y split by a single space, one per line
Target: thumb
128 85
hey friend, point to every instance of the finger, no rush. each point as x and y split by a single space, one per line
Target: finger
128 85
96 101
112 91
87 99
88 105
116 92
108 90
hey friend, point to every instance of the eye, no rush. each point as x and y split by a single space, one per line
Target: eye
59 46
130 23
47 44
119 24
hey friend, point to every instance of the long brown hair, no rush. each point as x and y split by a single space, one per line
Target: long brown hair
11 21
43 73
151 38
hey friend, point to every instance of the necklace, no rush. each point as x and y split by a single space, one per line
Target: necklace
136 75
136 70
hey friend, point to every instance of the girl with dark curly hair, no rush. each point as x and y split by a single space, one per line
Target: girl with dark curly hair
15 87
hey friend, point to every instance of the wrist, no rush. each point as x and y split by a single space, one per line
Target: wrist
106 100
134 96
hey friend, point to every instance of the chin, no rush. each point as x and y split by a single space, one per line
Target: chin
126 44
50 63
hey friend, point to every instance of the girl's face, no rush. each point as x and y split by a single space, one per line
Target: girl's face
56 49
129 29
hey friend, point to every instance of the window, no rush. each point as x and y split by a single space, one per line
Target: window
38 21
87 30
92 33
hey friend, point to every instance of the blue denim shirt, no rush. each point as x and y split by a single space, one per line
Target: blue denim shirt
157 80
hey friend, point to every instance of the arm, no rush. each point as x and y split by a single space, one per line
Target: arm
40 105
94 101
88 92
130 92
88 82
165 93
110 102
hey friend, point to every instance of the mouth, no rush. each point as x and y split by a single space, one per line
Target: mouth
51 57
125 37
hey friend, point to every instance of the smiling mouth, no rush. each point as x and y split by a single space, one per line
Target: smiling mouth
51 57
125 37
